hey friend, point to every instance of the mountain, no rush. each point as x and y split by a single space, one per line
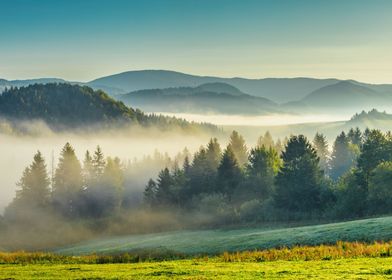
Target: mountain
344 96
20 83
66 106
218 98
279 90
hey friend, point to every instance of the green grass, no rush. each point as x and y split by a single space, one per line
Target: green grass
360 268
218 241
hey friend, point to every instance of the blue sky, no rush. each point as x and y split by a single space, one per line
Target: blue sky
85 39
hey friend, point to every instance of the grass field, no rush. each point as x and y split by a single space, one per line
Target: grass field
357 268
218 241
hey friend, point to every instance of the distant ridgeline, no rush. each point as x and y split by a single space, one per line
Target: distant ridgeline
65 106
371 115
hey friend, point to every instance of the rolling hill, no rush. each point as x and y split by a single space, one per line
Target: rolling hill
66 106
218 241
344 96
279 90
219 98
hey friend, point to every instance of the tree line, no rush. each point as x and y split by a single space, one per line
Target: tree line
292 179
65 106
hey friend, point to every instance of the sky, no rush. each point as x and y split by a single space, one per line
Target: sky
82 40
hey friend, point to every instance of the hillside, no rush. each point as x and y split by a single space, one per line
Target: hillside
343 97
206 98
276 89
218 241
64 106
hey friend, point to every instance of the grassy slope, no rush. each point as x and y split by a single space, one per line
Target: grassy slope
216 241
361 268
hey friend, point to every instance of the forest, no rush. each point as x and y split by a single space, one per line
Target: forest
289 180
66 107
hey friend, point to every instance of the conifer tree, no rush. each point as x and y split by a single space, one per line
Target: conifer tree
321 146
239 149
229 173
68 182
299 181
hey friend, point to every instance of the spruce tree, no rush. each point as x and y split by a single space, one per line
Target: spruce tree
321 145
68 182
229 173
239 149
299 181
34 184
342 157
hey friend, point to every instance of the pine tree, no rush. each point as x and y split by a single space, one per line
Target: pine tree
321 146
264 164
229 173
149 195
34 184
342 158
239 149
88 170
68 182
213 153
299 181
98 162
355 136
266 141
112 185
164 183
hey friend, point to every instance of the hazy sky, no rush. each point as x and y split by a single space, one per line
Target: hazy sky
82 40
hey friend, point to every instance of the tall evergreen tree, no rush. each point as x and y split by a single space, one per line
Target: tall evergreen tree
165 182
229 173
321 145
98 162
68 182
299 181
355 136
34 184
342 158
238 147
213 153
88 170
150 192
265 140
264 164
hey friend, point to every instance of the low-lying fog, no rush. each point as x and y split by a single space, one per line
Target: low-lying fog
262 120
17 151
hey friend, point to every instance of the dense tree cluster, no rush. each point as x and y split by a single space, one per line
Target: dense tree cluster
233 184
92 190
300 181
64 106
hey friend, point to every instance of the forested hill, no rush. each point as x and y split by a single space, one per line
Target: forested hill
64 106
217 98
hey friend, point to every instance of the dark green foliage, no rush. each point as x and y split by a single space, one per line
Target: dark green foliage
351 197
65 106
380 189
298 183
164 191
343 156
229 173
150 192
376 148
355 136
263 165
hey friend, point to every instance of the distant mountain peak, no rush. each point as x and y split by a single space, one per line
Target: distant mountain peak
220 87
